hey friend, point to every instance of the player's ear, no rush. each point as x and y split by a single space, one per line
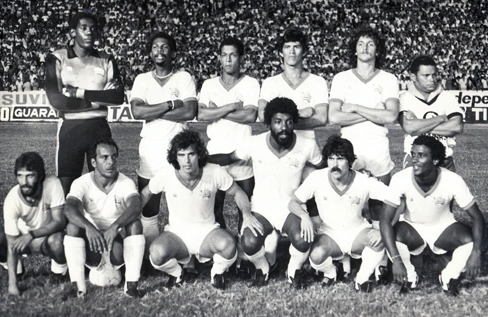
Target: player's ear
72 33
413 77
93 162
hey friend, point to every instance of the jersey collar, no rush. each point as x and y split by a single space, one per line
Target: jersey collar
72 54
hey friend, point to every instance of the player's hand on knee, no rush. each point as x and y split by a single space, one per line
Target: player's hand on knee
473 265
307 228
375 241
96 240
110 235
252 223
399 271
21 243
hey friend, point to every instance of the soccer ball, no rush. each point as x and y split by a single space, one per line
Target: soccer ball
105 274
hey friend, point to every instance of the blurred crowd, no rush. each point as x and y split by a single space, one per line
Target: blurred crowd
455 32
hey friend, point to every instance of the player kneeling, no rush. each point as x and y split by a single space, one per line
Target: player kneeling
103 208
33 214
429 190
190 186
340 193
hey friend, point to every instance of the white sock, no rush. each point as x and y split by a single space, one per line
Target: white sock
57 268
133 254
259 261
221 264
327 267
405 255
171 267
74 249
370 260
458 262
297 259
270 246
150 229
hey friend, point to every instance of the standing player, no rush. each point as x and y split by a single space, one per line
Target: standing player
427 109
165 99
278 157
80 83
103 209
229 103
33 217
428 190
341 194
308 91
362 101
190 187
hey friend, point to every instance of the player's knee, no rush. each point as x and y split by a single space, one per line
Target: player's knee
134 228
73 230
55 242
299 242
157 254
250 243
318 254
226 244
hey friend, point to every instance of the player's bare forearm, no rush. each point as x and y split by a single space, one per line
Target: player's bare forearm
244 116
73 213
386 229
186 113
450 128
214 113
248 220
145 196
477 227
388 115
319 119
143 111
414 126
261 106
57 224
223 159
131 213
12 259
296 207
338 117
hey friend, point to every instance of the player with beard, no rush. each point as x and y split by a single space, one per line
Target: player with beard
278 157
426 108
165 99
80 83
33 217
429 190
190 186
340 193
103 209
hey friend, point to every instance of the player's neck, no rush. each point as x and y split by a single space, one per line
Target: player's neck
294 71
230 79
105 183
427 180
81 52
343 181
366 69
163 71
189 177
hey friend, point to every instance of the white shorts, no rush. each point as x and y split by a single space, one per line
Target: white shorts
430 233
345 238
240 170
193 237
373 155
152 156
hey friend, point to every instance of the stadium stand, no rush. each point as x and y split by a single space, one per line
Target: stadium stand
456 32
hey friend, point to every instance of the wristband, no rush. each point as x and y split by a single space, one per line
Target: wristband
32 234
172 105
394 257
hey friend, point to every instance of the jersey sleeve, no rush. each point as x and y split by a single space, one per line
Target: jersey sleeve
462 194
57 193
129 189
78 189
11 214
186 87
337 88
267 91
252 95
392 90
204 97
225 181
403 101
395 191
244 149
315 155
321 92
137 91
306 190
157 184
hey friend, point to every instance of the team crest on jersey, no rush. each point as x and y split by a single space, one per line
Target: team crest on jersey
355 200
439 201
378 89
118 200
294 162
306 97
174 92
206 194
99 71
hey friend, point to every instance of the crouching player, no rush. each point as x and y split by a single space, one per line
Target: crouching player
33 217
340 193
190 186
428 190
103 209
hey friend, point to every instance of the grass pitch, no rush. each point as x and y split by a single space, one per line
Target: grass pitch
43 296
